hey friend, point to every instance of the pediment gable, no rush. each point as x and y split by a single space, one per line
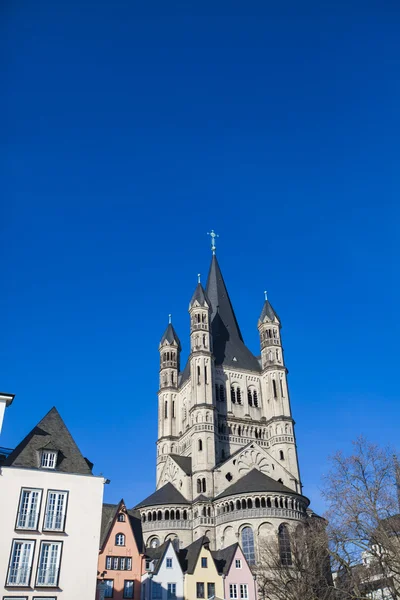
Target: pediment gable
175 472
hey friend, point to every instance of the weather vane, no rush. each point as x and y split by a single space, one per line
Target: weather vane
213 236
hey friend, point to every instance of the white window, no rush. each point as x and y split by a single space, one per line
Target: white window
129 564
49 563
244 592
48 459
115 564
171 591
169 563
109 562
109 589
28 511
120 539
233 590
128 589
56 506
238 563
19 572
156 590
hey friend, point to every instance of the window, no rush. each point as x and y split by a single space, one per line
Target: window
233 590
238 563
210 590
274 386
129 588
248 544
250 397
169 563
233 395
29 508
23 598
37 598
284 545
282 392
121 518
119 563
19 572
120 539
171 590
199 590
281 455
200 445
238 396
203 485
49 563
166 410
244 590
156 590
204 562
221 393
54 518
154 542
198 374
109 563
255 398
48 459
109 589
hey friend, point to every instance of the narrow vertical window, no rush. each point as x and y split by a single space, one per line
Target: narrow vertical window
166 409
198 374
274 387
173 408
55 510
128 589
200 445
222 393
282 392
205 375
248 545
284 545
233 395
238 396
109 591
28 511
19 572
48 565
255 398
249 397
203 485
199 486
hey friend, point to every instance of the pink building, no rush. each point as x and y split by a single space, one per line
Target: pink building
121 547
239 581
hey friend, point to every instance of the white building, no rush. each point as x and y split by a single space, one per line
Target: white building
50 514
5 400
163 578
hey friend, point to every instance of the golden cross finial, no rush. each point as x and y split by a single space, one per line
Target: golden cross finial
213 236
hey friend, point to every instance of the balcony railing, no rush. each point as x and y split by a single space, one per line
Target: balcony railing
255 513
166 524
270 342
203 521
19 576
202 326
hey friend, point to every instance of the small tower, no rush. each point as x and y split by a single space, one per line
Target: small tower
169 348
275 390
202 412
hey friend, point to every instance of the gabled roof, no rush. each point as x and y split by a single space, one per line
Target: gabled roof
109 517
228 345
167 494
184 462
188 556
157 555
223 558
50 432
255 481
201 498
170 336
136 525
200 296
268 313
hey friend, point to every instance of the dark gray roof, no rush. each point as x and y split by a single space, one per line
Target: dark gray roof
200 295
136 524
268 312
228 345
50 432
223 558
255 481
185 374
188 556
170 336
168 494
185 462
202 498
157 555
108 517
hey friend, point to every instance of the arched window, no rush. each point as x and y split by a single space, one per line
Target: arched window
144 518
282 392
159 515
120 539
199 486
274 387
203 485
177 515
166 409
233 395
200 445
149 516
203 318
154 542
121 518
250 397
285 552
221 392
249 503
172 515
198 374
248 545
238 396
281 455
255 398
257 502
204 511
238 505
166 515
185 515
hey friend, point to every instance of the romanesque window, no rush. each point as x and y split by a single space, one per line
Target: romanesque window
120 539
166 410
205 375
284 545
173 408
248 545
199 486
233 394
281 384
121 517
250 397
200 446
203 318
203 485
238 396
198 374
274 388
281 455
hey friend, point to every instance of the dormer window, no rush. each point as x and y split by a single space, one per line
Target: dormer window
48 459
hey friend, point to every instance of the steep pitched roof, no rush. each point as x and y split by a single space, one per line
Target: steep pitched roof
223 558
50 432
188 556
170 336
168 494
108 517
157 555
255 481
185 462
228 345
136 525
267 312
200 296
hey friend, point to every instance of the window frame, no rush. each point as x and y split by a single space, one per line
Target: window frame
18 598
39 509
208 589
41 598
158 586
132 581
121 518
169 595
204 562
64 514
45 453
14 541
238 560
112 588
116 536
197 589
168 562
233 588
60 544
243 587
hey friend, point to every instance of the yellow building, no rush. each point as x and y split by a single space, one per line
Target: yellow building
201 577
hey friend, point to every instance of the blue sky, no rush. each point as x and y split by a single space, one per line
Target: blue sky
129 131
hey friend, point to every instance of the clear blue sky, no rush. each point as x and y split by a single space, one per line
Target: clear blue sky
129 130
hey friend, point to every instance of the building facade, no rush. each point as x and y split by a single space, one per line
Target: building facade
227 465
50 512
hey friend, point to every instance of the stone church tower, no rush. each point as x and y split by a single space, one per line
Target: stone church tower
227 463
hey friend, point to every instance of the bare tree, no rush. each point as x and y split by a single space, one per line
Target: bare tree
294 565
364 524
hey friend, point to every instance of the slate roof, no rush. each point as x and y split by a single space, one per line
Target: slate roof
170 336
157 555
200 295
136 524
168 494
223 558
185 462
108 517
201 498
188 556
50 432
255 481
268 312
228 345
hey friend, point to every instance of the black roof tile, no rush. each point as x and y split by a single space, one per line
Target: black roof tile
255 481
185 462
168 494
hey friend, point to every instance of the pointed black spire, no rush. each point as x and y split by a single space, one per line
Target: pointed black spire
200 296
228 344
170 336
268 315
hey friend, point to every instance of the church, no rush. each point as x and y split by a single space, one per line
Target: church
227 465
